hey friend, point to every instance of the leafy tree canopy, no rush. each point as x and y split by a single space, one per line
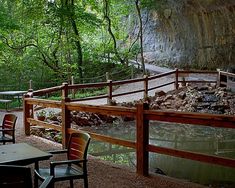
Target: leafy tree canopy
57 39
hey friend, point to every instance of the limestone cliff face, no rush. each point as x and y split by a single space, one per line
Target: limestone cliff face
192 31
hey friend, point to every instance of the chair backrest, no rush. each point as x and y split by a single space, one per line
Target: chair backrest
78 146
15 176
9 122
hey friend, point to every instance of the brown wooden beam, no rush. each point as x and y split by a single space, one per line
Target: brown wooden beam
193 156
142 140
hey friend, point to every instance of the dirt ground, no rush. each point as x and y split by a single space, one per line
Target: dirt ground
101 174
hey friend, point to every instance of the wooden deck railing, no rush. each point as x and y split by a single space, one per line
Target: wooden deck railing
141 114
175 77
224 78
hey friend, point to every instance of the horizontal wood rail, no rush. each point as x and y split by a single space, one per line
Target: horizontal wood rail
112 151
212 120
156 87
105 110
198 81
141 114
197 72
48 90
193 156
46 125
90 85
128 93
43 102
111 140
163 75
90 98
115 83
227 74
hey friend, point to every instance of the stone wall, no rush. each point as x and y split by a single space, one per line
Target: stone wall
191 31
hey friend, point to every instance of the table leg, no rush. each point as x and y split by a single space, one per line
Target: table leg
36 167
19 100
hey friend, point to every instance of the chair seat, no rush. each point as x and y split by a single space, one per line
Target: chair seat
61 173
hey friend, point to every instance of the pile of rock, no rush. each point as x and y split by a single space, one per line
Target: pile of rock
78 119
194 98
90 119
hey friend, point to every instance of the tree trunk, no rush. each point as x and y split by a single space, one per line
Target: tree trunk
141 35
107 18
70 8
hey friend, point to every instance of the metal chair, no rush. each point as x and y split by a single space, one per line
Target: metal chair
75 167
8 128
12 176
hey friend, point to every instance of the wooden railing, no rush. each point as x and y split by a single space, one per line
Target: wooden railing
141 114
175 77
225 79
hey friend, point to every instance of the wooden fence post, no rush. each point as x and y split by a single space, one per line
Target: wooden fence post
65 116
107 76
65 91
142 140
145 86
110 90
218 78
30 84
73 91
176 79
132 71
28 112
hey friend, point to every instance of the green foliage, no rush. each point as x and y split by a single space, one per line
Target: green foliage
12 105
48 42
41 113
90 93
7 23
112 68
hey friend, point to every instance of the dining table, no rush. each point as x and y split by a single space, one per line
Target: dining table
18 94
12 94
22 154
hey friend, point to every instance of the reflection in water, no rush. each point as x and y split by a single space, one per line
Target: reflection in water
113 153
215 141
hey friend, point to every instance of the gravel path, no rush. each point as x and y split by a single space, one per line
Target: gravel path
134 87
